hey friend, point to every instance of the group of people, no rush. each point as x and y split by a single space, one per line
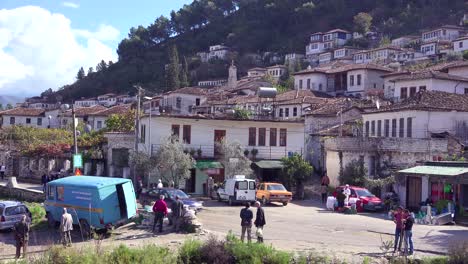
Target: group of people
160 210
246 216
404 221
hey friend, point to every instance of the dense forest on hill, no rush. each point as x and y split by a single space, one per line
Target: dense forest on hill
247 26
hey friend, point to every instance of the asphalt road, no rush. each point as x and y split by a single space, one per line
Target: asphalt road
307 226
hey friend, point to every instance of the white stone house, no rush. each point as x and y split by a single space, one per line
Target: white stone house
86 102
256 72
379 55
107 100
97 120
276 71
404 41
344 52
293 57
444 33
30 117
325 57
218 51
435 47
181 101
212 83
460 44
82 114
332 39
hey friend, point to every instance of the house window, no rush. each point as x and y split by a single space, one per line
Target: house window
252 136
143 133
386 127
373 128
379 128
466 90
320 87
404 93
409 127
197 101
358 79
308 83
412 91
402 128
460 44
261 136
99 125
273 137
178 102
283 132
351 80
28 120
187 134
286 112
281 112
372 166
295 111
367 128
12 120
394 127
300 84
39 121
175 131
422 88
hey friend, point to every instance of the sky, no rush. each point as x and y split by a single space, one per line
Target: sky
43 43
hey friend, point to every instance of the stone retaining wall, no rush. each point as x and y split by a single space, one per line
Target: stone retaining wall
22 194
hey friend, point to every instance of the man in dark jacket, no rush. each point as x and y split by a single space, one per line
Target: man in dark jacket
246 216
259 221
177 213
21 230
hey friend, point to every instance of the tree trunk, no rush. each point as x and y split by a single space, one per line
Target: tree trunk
299 190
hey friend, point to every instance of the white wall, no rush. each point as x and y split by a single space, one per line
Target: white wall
21 120
459 71
187 100
315 80
291 111
203 131
431 85
429 49
463 43
368 79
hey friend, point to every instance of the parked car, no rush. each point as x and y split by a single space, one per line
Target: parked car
95 203
237 190
268 192
365 199
11 212
170 195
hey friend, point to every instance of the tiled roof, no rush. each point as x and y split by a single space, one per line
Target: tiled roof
430 75
460 38
455 64
333 106
381 48
430 100
344 68
85 111
276 66
294 94
257 69
20 111
118 109
444 26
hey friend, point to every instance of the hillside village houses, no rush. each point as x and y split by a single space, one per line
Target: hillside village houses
460 44
320 42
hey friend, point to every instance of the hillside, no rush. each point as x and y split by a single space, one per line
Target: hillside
247 26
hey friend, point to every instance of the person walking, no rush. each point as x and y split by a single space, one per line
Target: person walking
259 221
139 187
160 211
246 216
177 213
398 218
409 221
2 171
44 181
324 192
347 193
66 226
21 231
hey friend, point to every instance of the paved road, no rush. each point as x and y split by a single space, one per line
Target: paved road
307 226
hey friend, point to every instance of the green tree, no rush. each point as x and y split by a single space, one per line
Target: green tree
90 70
296 171
465 55
362 22
143 163
172 72
385 41
121 122
9 106
81 74
233 159
101 66
184 80
354 173
172 162
242 114
1 107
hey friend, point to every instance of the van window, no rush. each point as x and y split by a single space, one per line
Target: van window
243 185
60 193
51 193
252 185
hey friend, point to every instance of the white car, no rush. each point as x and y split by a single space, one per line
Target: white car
11 212
237 190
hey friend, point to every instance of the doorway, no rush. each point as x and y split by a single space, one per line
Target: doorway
219 135
413 192
122 203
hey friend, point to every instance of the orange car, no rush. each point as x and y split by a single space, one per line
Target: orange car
273 192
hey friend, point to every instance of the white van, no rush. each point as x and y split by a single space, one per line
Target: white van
237 190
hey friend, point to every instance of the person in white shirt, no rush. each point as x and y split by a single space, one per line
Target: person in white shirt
347 193
160 185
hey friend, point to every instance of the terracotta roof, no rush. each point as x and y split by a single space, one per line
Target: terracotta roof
442 42
20 111
369 66
454 64
333 106
294 94
118 109
382 48
257 69
444 26
460 38
429 101
190 90
276 66
85 111
430 75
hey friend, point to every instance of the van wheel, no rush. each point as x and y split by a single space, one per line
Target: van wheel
85 229
50 221
264 200
231 201
285 203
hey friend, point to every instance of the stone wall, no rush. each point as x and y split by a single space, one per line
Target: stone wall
411 145
22 194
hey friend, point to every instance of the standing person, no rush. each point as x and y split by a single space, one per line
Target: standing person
139 187
21 230
259 221
44 181
347 193
246 216
325 179
340 198
324 192
177 213
210 185
2 171
66 226
160 211
409 221
398 218
160 185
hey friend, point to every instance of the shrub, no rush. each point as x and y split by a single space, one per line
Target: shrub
38 213
214 251
458 253
255 253
190 252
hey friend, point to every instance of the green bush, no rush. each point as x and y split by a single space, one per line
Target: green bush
458 253
38 213
190 252
255 253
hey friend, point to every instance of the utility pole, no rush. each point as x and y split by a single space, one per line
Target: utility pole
75 144
137 128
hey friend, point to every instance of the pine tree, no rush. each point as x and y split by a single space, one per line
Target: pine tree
184 81
90 70
172 71
1 106
81 74
101 66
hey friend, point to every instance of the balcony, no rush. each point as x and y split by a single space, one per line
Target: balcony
409 145
213 151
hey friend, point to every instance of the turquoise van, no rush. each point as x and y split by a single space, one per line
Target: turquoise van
95 203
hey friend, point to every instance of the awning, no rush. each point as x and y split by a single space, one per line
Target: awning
436 170
203 165
269 164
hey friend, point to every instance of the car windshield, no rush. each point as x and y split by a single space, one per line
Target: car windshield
173 193
364 192
276 187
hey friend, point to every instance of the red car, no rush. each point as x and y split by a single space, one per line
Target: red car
366 200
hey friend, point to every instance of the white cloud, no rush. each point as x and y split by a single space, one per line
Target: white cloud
40 50
70 4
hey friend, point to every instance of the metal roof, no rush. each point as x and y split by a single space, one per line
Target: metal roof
203 164
88 181
436 170
269 164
